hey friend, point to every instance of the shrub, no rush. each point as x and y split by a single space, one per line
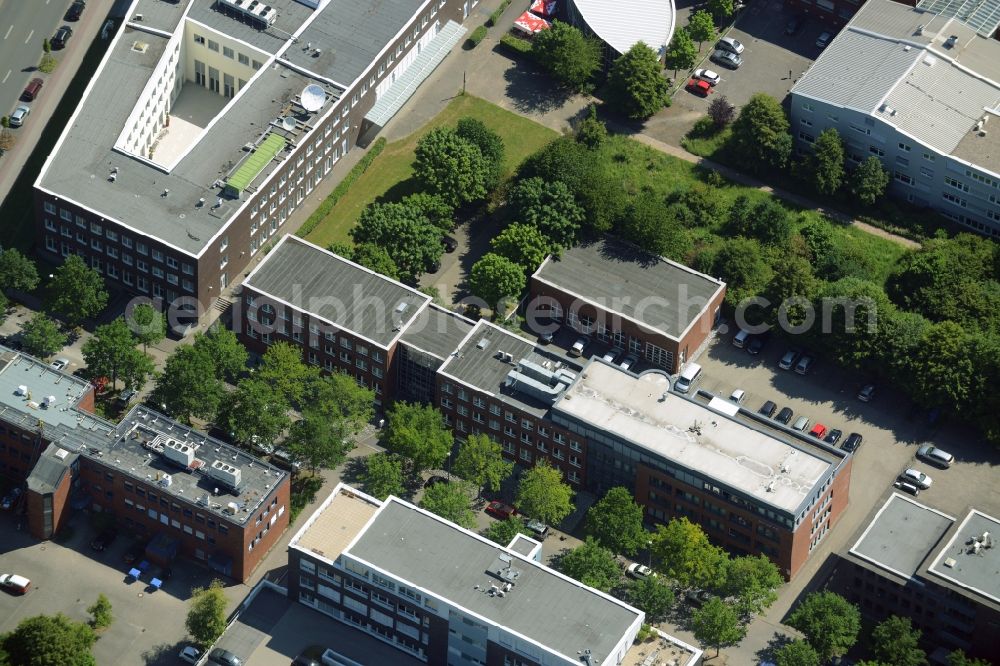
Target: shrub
495 16
518 45
338 192
478 35
47 64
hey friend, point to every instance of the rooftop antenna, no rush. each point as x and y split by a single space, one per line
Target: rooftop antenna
312 98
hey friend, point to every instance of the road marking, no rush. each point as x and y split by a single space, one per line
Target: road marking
8 31
6 77
30 34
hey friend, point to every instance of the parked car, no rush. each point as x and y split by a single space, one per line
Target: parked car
104 539
697 598
435 480
756 344
785 415
730 44
801 424
767 409
804 365
935 456
190 654
31 90
629 361
726 59
866 393
788 360
60 363
737 396
538 528
833 437
449 243
823 39
578 346
126 396
61 37
17 118
14 583
794 24
699 87
906 487
818 431
917 477
613 354
547 337
223 657
708 75
10 499
637 570
852 443
75 11
500 510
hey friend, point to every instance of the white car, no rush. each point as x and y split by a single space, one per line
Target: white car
190 654
60 363
637 570
730 44
707 75
737 396
14 583
577 348
916 477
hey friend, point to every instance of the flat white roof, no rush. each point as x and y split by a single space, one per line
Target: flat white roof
644 412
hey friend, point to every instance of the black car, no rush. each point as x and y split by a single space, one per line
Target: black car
104 539
767 409
833 437
785 415
435 480
794 25
852 443
450 244
75 11
61 37
223 657
756 343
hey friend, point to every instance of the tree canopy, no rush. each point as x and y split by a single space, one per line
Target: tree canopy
653 596
523 244
592 565
45 640
796 653
826 163
701 26
896 641
404 232
490 144
649 224
76 291
419 434
502 532
147 324
569 56
452 167
480 461
255 413
41 336
206 618
830 623
543 495
550 207
383 475
615 522
760 138
754 581
635 82
17 271
188 385
869 180
111 352
451 502
717 625
495 278
682 551
682 52
228 356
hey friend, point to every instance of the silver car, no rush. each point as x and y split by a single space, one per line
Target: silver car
730 44
800 424
17 118
916 477
935 456
726 59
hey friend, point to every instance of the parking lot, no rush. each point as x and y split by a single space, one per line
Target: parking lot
66 577
772 60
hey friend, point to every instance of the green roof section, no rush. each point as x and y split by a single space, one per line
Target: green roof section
254 164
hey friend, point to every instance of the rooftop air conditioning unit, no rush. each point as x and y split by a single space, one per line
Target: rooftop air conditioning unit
226 473
178 452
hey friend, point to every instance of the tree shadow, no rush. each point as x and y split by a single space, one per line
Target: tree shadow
399 190
532 90
776 642
163 653
353 472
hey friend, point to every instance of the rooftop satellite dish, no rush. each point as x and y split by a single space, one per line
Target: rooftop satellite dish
312 98
288 123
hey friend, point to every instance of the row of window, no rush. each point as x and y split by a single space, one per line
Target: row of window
242 58
111 271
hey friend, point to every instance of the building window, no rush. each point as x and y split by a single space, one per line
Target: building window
228 52
213 46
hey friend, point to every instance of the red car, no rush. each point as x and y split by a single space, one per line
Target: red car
500 510
818 431
699 87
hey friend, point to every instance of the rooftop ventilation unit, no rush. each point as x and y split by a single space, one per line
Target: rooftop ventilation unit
22 390
49 401
231 508
483 343
255 13
178 452
225 473
166 480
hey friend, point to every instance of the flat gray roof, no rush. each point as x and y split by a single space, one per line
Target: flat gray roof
291 15
158 14
901 535
477 364
321 283
451 563
892 61
976 569
350 36
50 468
643 411
41 381
618 277
437 331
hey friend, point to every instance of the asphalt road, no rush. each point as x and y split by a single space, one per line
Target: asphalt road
24 24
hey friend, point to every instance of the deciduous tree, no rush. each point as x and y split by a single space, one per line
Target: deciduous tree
550 207
451 167
716 624
753 580
896 641
796 653
495 278
451 502
541 494
826 163
17 272
101 615
255 413
523 244
653 596
869 180
635 82
592 565
480 461
701 27
188 385
649 224
740 262
413 243
760 138
228 356
682 551
282 369
592 132
383 475
765 220
437 211
502 532
490 144
206 619
681 52
43 640
830 623
569 56
147 324
377 259
111 350
959 658
316 442
418 433
615 521
721 111
722 10
76 291
41 336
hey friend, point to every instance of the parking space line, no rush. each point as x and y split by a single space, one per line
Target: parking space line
30 35
8 31
6 76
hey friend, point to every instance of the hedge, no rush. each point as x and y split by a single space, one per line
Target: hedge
324 208
495 16
516 44
478 35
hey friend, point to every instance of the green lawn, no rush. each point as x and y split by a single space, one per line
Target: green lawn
390 177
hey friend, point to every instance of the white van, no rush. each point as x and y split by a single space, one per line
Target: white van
687 378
